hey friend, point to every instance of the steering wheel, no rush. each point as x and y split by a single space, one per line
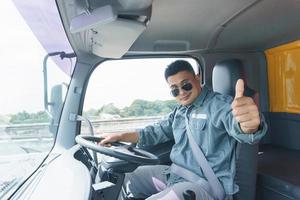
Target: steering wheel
118 150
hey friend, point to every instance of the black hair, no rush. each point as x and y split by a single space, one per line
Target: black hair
178 66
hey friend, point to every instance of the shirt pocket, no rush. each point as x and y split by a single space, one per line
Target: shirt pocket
179 122
198 125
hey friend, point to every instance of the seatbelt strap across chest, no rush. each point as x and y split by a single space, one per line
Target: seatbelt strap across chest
215 185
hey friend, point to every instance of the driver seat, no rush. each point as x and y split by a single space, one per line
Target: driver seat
224 77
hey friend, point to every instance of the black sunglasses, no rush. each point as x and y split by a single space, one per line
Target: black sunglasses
186 87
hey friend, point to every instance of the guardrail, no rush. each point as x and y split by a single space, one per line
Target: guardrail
25 131
120 125
39 131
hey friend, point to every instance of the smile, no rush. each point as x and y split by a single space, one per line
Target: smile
186 97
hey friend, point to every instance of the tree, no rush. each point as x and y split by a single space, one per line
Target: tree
25 117
148 108
109 109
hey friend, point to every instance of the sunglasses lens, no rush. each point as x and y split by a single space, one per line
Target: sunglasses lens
175 92
187 87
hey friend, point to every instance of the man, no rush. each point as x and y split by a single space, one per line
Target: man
215 121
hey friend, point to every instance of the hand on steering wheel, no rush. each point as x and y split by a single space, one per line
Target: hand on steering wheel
118 150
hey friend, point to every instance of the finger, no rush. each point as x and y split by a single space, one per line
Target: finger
242 101
247 117
239 88
250 111
236 111
242 110
105 140
252 124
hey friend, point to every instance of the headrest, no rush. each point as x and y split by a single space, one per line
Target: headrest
225 74
224 77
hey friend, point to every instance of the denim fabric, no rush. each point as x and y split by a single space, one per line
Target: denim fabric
215 131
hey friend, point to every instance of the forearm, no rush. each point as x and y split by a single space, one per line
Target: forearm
132 137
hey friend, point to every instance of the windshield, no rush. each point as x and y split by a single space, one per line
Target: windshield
139 101
27 131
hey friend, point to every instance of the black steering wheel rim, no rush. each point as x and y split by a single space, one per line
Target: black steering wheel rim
137 156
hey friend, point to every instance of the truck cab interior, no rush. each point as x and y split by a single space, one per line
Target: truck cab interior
256 40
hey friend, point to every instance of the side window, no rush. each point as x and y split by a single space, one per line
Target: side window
125 95
27 131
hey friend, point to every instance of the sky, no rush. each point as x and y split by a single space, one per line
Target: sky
21 53
121 82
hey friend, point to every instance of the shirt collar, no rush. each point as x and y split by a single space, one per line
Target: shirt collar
200 99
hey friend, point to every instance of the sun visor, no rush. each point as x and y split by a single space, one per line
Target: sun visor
92 19
110 30
114 39
134 4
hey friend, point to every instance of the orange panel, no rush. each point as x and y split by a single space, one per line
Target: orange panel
284 77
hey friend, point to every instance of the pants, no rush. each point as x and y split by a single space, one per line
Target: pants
150 182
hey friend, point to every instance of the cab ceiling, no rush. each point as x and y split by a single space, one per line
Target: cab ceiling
213 25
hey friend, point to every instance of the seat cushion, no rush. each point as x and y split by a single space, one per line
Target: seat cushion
278 173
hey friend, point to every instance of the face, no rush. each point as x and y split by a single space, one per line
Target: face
188 87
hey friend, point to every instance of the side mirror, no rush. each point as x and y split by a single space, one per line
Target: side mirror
55 105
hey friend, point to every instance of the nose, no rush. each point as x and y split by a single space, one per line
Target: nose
182 91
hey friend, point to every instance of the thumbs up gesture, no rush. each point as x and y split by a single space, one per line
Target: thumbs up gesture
245 110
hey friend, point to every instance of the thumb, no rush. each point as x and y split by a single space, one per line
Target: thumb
239 88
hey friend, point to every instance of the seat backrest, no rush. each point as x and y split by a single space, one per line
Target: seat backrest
224 77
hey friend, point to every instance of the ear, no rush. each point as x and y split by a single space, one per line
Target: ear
168 81
198 78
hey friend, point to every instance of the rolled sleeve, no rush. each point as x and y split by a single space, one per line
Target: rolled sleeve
222 116
252 138
157 133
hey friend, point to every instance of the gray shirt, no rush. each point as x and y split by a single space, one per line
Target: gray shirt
215 131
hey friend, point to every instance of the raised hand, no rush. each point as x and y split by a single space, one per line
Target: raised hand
245 110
